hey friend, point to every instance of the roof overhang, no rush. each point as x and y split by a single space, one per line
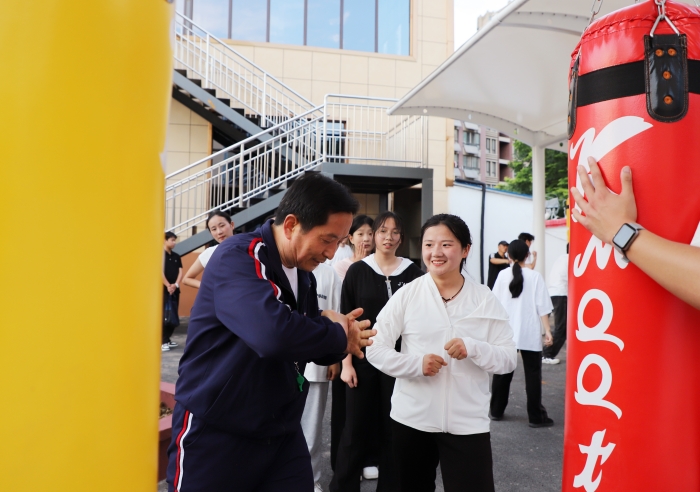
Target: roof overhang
512 74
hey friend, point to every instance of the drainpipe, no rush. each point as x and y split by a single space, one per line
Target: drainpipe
481 231
481 227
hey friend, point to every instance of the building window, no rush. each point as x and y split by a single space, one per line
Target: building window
286 21
379 26
491 169
393 27
456 161
456 135
471 162
212 15
323 23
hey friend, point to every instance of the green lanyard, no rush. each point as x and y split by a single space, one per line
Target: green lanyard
300 377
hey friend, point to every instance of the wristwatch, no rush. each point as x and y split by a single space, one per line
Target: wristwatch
625 237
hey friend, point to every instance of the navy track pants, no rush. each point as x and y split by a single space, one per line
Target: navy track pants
202 458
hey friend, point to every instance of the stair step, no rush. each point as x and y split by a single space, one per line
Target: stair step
227 102
181 71
196 82
211 91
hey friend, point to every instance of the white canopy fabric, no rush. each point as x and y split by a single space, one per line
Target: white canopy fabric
512 74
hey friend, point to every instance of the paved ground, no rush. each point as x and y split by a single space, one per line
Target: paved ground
525 459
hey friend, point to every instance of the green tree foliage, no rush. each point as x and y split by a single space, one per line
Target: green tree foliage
556 173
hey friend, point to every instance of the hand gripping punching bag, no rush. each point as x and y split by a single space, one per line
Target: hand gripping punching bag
633 376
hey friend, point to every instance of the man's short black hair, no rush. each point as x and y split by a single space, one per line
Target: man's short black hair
312 198
526 236
170 234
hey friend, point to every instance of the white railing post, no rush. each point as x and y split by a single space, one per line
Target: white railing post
207 62
323 130
240 175
263 113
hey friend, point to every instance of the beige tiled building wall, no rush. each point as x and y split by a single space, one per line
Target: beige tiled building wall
188 138
314 72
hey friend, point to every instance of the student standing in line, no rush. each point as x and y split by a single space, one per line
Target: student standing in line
220 226
371 283
344 251
361 242
558 290
531 259
524 295
328 286
498 261
454 332
172 275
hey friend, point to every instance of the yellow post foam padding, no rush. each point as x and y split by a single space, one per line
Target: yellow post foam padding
84 95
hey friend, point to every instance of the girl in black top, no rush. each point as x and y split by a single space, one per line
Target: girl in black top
369 284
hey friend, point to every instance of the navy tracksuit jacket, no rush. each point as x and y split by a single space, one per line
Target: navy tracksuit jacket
247 338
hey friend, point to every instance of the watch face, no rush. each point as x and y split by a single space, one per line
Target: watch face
623 236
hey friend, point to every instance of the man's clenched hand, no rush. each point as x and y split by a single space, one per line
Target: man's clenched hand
356 331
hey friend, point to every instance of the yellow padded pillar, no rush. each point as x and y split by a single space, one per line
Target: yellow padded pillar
84 94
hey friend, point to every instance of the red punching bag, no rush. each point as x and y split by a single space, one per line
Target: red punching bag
633 375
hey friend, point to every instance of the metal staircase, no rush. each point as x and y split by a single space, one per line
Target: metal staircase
232 76
279 136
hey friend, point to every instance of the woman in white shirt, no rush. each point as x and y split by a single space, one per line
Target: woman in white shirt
524 295
220 226
361 242
454 332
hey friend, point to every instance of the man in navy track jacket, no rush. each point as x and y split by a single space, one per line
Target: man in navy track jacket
240 393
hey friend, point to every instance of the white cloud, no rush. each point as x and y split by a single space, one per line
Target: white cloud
466 14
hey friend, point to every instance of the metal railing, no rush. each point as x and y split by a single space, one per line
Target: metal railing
233 76
230 178
358 130
346 129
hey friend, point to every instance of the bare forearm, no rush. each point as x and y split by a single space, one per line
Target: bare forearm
675 266
191 282
545 323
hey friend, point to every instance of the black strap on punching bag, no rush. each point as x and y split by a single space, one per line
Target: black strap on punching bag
666 76
629 79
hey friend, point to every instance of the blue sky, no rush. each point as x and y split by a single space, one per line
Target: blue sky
466 14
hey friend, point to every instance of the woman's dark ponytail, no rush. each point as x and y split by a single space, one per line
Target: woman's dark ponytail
517 251
516 285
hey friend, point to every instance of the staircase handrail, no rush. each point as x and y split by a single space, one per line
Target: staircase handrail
293 153
255 69
335 132
242 143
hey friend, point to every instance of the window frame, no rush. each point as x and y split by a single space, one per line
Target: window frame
188 11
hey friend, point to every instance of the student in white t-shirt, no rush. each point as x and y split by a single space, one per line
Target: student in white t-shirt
524 295
328 286
344 251
220 226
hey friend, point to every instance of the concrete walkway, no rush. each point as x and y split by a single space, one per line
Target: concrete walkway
525 459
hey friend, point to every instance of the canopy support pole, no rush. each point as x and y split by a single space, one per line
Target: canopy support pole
538 198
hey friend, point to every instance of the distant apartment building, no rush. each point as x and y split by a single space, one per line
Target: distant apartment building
481 154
